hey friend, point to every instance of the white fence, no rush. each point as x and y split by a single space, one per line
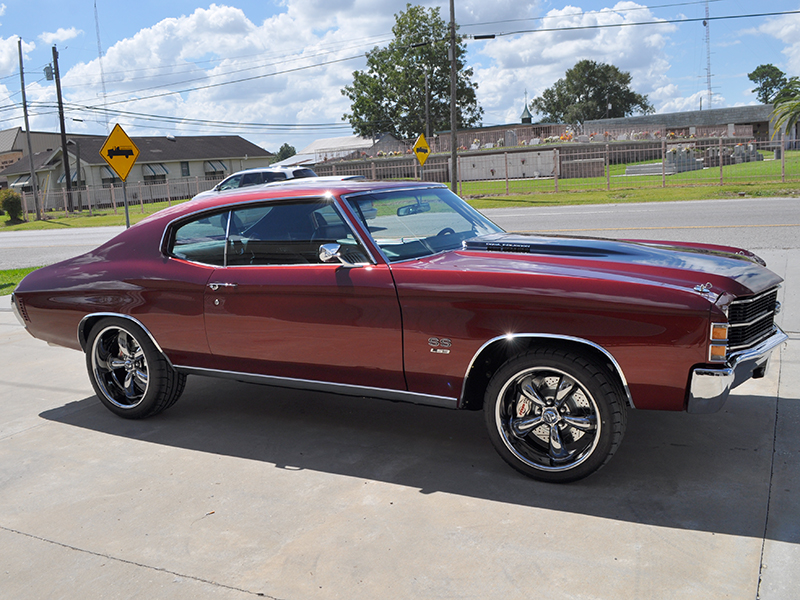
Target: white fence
103 197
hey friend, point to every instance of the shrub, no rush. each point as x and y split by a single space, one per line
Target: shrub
11 203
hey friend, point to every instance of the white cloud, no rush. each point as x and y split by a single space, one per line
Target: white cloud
9 55
534 61
672 102
787 29
222 44
62 35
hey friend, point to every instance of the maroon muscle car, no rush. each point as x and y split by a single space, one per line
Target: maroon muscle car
403 291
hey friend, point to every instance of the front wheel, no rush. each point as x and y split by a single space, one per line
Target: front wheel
128 372
554 415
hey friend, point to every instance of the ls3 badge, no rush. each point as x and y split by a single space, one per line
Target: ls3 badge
440 345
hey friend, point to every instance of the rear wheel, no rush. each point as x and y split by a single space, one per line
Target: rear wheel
129 374
554 415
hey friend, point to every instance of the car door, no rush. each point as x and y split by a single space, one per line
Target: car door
275 309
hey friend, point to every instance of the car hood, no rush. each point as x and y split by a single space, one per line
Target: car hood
670 263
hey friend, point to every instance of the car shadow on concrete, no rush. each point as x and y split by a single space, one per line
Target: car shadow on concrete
696 472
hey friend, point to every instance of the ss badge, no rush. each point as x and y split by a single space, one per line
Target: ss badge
439 345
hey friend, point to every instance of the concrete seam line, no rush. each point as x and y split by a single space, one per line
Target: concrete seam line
136 564
769 490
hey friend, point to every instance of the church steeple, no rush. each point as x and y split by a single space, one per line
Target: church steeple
526 116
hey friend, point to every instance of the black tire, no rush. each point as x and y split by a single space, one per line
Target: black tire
129 374
554 415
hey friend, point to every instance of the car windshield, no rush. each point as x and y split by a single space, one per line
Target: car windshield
418 222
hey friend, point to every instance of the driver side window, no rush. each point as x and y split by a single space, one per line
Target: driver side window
288 234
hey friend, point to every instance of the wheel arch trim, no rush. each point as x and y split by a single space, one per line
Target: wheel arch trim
548 336
83 332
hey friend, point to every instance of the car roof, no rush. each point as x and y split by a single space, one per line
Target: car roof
279 169
306 187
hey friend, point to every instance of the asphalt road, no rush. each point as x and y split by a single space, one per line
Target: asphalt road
751 223
19 249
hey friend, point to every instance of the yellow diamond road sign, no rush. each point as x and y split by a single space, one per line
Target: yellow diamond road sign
421 149
119 152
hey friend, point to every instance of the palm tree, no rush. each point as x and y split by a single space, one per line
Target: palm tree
786 114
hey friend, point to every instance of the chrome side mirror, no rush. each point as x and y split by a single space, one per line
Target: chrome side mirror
333 252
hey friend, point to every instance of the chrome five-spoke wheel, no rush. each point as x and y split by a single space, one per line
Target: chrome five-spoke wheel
119 366
554 415
128 372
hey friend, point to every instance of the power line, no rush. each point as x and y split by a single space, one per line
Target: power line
591 12
640 23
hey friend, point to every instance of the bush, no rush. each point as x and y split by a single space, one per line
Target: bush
11 203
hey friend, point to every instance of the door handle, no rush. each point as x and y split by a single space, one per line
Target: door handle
215 286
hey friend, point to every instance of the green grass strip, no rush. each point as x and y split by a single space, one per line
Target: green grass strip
10 279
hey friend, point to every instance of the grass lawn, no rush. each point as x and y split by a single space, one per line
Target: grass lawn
11 278
762 178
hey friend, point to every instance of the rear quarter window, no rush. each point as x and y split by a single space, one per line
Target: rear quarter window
201 240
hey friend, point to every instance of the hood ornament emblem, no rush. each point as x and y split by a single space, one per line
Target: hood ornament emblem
703 288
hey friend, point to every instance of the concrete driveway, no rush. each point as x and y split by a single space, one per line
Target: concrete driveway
242 491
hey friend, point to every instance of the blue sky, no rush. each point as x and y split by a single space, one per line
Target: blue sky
151 50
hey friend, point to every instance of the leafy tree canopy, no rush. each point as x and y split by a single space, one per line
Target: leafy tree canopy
589 91
389 96
285 152
769 80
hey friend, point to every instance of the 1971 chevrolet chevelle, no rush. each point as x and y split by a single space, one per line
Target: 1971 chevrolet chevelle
402 291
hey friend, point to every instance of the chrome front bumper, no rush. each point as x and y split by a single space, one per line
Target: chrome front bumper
709 386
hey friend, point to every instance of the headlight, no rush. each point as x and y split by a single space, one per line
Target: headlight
718 347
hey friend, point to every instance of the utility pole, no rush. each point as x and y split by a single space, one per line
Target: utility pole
708 54
427 109
28 135
64 155
453 91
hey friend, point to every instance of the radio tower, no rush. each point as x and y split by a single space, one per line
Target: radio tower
708 54
100 59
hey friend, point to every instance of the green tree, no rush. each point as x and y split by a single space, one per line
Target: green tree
285 152
389 96
589 91
769 80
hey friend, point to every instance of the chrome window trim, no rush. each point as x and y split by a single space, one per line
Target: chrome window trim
550 336
344 389
327 197
121 316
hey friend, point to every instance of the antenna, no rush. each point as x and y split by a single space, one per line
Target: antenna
708 55
100 58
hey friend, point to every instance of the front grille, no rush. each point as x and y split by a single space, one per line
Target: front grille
751 320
